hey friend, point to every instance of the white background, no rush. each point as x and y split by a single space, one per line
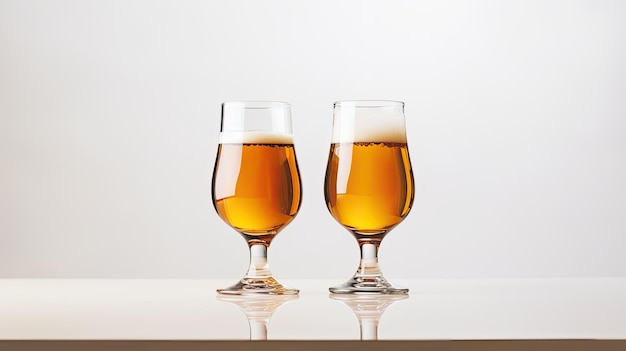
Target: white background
109 122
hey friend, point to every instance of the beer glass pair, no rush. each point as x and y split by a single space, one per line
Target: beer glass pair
368 186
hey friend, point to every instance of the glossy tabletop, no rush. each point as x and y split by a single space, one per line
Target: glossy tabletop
32 309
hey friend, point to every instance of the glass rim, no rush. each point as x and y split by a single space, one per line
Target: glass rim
368 103
256 104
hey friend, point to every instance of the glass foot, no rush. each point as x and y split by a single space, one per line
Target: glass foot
367 285
258 286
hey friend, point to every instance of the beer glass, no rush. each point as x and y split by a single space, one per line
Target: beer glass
256 185
369 183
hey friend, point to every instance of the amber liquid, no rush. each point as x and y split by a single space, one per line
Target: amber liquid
256 187
369 186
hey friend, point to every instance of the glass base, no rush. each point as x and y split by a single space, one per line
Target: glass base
367 285
258 286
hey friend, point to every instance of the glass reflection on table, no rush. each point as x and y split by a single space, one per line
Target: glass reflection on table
258 310
368 309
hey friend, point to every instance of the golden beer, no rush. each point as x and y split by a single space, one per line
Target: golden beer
256 187
369 185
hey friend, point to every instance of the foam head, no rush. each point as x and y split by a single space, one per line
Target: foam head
369 121
256 137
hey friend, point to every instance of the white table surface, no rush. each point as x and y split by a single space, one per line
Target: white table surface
33 309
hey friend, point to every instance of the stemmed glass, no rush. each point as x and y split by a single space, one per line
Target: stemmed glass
256 184
369 183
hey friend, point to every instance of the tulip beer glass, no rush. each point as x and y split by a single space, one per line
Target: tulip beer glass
369 183
256 184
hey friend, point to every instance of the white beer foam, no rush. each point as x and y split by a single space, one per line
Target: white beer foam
255 137
384 131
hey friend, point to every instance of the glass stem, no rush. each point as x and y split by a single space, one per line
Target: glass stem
369 261
259 267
